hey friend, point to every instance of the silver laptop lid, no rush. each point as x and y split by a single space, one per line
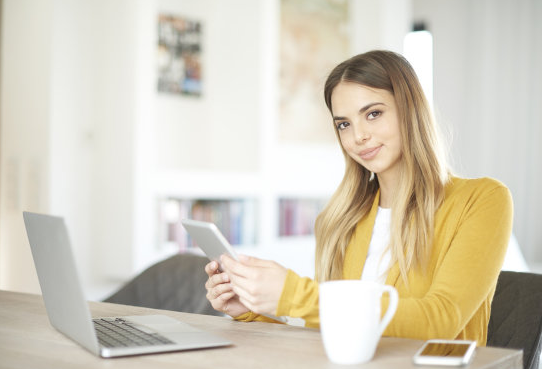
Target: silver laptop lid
59 281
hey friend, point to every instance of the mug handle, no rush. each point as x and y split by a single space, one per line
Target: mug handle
392 306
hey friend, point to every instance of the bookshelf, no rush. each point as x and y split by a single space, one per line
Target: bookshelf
237 218
289 240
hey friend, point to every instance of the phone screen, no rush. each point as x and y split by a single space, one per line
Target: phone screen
445 349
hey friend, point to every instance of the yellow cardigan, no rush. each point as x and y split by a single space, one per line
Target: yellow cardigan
452 298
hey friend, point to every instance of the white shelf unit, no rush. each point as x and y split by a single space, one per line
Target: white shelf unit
314 179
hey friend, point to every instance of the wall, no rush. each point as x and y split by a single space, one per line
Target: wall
85 135
70 134
67 136
25 86
183 140
380 24
191 135
487 93
225 143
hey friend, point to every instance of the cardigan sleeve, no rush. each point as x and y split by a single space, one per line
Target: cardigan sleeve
299 299
466 272
253 317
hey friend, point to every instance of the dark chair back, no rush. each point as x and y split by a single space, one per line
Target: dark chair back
176 283
516 315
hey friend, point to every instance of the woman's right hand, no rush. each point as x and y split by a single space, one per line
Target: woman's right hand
220 292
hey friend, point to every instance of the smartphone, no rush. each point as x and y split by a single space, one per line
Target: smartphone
445 352
209 239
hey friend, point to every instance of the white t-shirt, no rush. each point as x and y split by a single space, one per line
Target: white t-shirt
377 262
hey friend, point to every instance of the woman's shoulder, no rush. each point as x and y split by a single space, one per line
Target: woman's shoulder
475 188
484 183
485 197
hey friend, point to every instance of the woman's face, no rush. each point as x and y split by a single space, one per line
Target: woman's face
368 126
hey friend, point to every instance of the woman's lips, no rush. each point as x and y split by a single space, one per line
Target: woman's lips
369 153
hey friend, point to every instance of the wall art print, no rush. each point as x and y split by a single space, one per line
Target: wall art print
314 38
179 55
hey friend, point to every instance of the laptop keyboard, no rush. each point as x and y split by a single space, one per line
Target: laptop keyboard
117 332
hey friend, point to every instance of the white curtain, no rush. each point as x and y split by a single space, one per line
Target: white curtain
488 94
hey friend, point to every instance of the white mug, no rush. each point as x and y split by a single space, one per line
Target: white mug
350 319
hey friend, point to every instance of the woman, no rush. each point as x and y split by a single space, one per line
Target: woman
398 217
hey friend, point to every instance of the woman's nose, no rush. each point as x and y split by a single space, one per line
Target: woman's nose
361 134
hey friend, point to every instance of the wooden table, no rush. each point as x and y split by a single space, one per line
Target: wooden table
27 340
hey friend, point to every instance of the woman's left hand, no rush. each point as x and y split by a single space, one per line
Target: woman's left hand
257 282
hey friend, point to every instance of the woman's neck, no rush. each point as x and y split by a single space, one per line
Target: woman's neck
385 199
388 187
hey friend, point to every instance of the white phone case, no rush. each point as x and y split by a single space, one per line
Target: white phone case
445 352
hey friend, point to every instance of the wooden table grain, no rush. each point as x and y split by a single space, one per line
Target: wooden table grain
27 340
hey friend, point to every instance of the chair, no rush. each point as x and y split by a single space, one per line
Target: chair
516 315
176 283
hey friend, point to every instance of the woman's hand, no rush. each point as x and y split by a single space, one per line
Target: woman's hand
220 292
258 283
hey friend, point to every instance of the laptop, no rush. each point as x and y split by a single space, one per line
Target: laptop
69 313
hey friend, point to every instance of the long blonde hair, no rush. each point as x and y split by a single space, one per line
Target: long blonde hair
423 166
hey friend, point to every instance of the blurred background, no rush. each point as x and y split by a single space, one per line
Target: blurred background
124 116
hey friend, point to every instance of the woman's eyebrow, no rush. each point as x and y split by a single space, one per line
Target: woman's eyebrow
362 110
370 105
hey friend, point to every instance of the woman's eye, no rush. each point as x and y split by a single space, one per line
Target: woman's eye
342 125
374 114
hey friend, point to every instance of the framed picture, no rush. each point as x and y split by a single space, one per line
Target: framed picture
314 38
179 55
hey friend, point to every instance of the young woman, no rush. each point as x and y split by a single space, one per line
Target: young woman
399 217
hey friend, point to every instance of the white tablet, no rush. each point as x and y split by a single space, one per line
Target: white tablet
209 239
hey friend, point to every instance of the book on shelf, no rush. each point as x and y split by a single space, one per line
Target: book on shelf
298 215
